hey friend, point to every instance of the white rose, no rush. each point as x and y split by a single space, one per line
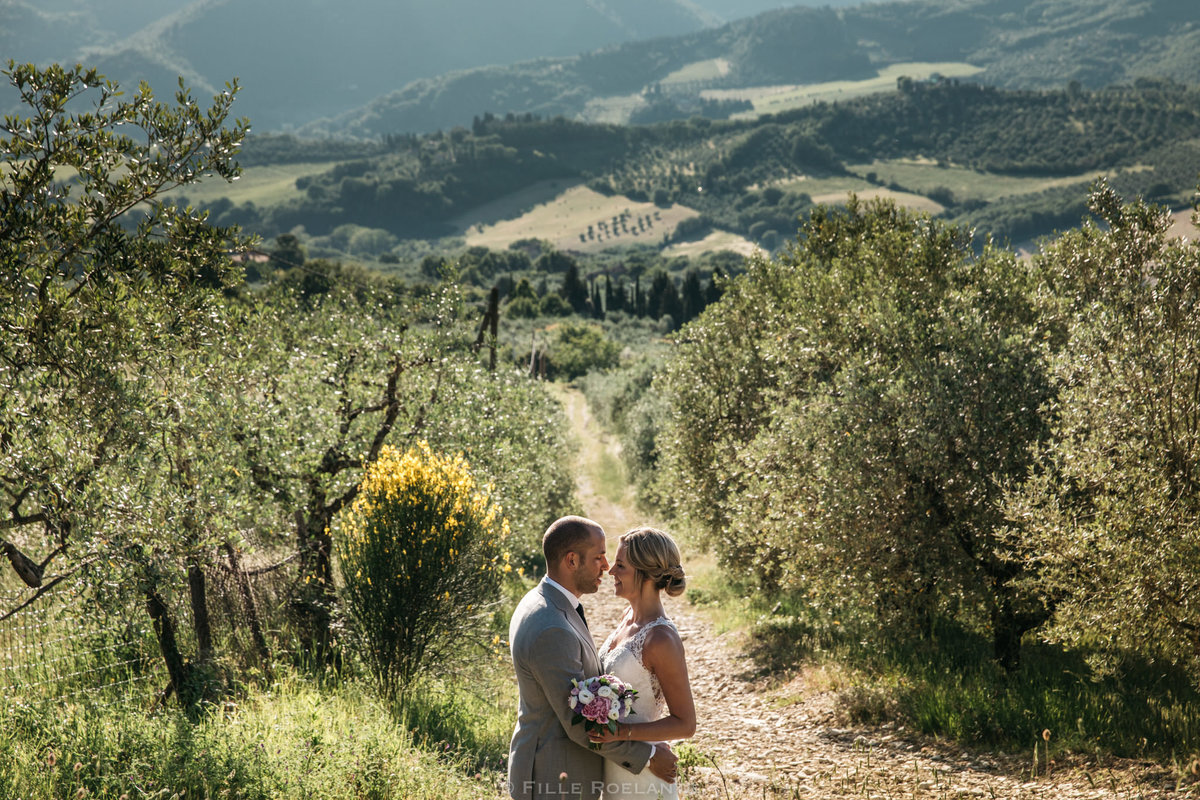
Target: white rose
614 713
585 696
572 701
628 705
606 691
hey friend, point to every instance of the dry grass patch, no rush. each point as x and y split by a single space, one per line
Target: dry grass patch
714 242
914 202
579 219
775 99
1183 225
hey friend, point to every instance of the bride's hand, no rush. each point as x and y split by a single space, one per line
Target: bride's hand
604 735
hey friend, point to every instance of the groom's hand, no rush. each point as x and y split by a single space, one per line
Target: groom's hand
663 763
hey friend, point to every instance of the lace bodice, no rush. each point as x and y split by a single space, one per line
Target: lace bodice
625 661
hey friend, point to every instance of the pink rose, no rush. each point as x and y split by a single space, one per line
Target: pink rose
597 710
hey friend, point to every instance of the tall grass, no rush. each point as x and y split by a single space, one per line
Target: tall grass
946 684
297 740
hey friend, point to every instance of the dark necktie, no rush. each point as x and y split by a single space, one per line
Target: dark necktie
582 616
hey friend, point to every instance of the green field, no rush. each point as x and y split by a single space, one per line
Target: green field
833 191
923 175
774 99
614 110
263 186
698 71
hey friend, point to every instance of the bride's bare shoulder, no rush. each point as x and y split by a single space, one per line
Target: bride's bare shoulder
663 642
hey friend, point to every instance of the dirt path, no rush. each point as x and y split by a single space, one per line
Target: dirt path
783 740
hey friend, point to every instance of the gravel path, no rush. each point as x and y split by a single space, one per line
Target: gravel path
772 739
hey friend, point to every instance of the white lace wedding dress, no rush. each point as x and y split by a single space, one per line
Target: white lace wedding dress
625 661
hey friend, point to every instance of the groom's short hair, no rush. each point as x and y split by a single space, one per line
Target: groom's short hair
564 535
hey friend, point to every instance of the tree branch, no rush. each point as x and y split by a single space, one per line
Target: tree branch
46 587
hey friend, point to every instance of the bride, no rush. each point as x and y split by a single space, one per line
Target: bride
646 652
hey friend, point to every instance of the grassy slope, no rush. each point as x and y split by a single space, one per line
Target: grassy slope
261 185
567 217
295 740
777 99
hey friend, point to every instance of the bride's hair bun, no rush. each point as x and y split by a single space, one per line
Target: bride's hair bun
676 581
655 556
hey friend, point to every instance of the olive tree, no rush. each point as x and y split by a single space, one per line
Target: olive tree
327 381
107 296
1111 517
842 419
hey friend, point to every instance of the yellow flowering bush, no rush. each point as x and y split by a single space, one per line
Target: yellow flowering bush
422 553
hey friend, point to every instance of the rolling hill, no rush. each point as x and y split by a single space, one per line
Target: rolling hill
301 60
1011 43
1014 163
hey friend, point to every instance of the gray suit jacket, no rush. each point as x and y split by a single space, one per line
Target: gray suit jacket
550 646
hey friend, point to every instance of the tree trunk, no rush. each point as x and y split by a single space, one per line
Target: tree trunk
198 590
164 631
302 544
316 595
1008 627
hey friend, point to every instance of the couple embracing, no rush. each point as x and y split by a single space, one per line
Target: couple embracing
551 645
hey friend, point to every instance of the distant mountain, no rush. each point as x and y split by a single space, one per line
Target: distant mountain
46 31
1017 43
116 17
298 60
729 10
28 33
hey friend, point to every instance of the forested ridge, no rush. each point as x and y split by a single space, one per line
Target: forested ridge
736 173
1017 43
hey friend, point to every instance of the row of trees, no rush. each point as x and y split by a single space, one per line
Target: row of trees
160 424
412 186
605 295
882 417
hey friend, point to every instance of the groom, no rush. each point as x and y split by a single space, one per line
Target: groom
549 757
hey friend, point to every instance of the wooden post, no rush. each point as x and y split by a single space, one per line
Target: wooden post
494 314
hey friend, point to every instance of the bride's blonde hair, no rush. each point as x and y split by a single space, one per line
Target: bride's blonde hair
654 556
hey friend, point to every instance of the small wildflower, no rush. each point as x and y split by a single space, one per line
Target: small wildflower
1046 734
78 766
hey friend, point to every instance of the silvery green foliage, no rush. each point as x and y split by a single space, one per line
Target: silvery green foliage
843 417
108 301
1111 517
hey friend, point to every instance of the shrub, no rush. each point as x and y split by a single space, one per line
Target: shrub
552 305
1112 514
841 420
579 348
421 555
522 308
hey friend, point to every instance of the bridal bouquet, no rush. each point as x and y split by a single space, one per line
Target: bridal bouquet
601 702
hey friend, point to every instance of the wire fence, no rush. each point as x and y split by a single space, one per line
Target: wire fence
67 648
60 649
